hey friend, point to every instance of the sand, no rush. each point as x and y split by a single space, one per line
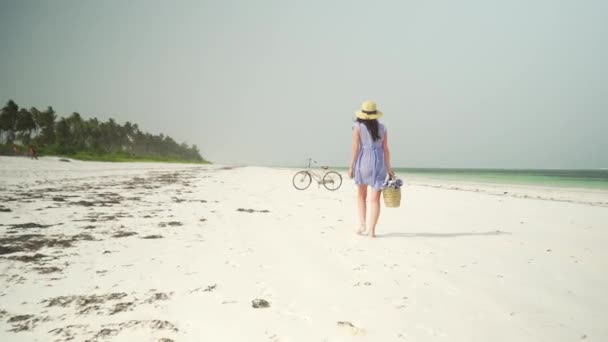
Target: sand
169 252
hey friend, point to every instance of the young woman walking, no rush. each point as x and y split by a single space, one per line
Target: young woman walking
370 163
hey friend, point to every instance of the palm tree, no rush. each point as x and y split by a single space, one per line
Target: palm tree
8 120
25 125
35 116
77 131
63 134
93 141
46 123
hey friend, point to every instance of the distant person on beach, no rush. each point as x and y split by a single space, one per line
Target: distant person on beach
370 163
16 150
32 152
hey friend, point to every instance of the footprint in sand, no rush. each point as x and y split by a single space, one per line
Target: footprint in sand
362 267
389 266
367 283
351 328
273 337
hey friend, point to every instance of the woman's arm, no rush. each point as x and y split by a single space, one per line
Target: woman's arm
387 157
356 146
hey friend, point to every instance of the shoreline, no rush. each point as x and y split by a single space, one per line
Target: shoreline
472 177
567 194
585 196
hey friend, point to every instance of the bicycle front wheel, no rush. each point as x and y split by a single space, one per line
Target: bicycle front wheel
302 180
332 180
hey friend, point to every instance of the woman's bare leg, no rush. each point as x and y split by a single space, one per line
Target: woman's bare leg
362 207
375 212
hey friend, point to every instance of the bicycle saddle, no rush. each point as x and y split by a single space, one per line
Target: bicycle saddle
325 167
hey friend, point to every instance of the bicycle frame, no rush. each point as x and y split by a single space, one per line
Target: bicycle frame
317 177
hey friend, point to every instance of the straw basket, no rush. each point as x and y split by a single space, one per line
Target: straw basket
392 197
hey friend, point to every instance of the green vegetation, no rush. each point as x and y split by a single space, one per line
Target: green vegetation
89 139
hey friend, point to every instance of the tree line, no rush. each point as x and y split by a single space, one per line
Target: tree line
73 134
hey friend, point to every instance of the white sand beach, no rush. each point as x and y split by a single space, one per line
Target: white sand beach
170 252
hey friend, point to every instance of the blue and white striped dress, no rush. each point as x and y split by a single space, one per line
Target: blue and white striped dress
369 166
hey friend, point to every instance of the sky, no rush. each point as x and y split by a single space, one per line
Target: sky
472 83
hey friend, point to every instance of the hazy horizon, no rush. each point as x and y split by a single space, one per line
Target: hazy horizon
473 84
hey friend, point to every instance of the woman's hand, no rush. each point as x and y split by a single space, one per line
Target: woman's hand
351 173
391 173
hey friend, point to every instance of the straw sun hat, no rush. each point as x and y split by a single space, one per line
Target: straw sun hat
368 111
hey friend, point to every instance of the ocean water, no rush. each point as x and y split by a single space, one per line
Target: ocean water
585 179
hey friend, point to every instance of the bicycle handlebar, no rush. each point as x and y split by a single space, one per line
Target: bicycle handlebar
310 160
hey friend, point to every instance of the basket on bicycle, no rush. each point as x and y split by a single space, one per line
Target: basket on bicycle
391 193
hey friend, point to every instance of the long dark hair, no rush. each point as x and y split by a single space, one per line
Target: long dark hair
372 128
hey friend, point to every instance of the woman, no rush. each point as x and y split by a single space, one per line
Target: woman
32 152
370 163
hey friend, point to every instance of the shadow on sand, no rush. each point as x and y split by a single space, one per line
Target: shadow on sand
441 235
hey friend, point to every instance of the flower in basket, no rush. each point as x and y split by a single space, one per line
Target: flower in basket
393 183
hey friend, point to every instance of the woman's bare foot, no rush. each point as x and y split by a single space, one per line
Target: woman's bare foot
361 230
372 234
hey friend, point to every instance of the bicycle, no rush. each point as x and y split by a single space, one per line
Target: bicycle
331 180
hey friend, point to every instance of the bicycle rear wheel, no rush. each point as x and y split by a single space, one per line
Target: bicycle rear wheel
302 180
332 180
